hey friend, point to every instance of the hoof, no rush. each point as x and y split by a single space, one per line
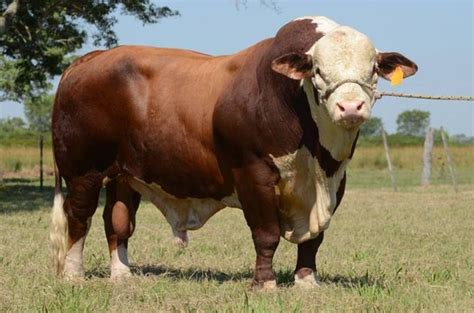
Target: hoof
74 276
307 282
265 286
118 274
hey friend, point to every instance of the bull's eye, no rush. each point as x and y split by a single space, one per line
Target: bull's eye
319 82
320 79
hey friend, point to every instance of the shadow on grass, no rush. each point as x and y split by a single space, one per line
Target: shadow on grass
24 195
361 281
194 274
285 278
191 273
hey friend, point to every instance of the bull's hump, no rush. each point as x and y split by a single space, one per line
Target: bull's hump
322 24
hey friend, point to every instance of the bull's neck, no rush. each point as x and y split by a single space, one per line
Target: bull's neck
290 109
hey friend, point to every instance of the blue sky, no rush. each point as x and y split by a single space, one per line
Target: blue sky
436 34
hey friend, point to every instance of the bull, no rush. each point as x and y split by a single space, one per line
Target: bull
269 130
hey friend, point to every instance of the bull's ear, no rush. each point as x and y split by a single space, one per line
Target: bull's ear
294 65
387 62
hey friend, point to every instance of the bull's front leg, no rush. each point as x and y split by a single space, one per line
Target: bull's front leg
255 185
305 272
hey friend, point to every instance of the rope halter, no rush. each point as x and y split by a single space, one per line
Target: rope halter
333 86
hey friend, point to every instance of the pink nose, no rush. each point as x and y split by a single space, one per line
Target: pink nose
351 110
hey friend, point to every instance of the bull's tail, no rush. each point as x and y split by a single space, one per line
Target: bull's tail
59 230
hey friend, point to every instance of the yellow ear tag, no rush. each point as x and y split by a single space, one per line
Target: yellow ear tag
397 76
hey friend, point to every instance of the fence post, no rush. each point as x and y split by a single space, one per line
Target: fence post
427 157
41 162
389 162
450 161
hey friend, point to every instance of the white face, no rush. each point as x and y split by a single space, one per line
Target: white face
344 63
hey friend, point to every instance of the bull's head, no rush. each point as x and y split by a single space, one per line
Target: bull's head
339 73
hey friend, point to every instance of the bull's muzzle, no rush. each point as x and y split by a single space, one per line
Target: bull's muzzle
351 112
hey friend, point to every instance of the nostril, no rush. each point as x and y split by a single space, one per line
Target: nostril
359 107
340 107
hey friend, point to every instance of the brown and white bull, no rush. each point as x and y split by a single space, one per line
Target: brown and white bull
269 130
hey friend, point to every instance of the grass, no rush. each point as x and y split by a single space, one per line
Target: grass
369 163
385 251
400 252
24 161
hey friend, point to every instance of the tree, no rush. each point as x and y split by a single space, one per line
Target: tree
38 37
372 127
38 112
413 123
11 125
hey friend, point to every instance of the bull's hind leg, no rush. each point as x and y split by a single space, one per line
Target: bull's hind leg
119 220
80 205
305 272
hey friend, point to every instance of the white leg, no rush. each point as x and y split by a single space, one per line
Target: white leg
73 267
119 267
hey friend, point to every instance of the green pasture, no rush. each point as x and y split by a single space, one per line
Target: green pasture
406 251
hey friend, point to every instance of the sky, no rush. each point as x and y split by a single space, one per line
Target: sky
435 34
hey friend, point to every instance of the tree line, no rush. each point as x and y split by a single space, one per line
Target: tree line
38 40
412 126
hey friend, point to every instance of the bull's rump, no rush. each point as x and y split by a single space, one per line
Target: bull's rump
150 110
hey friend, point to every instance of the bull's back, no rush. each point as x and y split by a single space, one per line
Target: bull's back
150 109
132 84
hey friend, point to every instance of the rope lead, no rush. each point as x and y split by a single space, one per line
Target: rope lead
380 94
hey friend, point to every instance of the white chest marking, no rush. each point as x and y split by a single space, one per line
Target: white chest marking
307 195
182 214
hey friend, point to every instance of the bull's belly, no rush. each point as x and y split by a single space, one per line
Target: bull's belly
307 195
307 199
182 213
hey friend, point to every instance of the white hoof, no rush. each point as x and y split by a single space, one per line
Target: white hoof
74 275
271 284
117 274
307 282
267 286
